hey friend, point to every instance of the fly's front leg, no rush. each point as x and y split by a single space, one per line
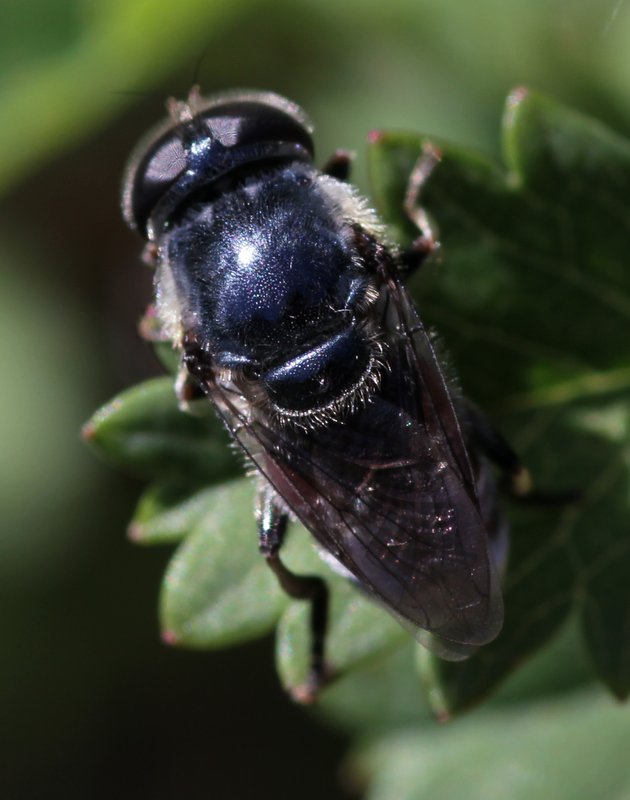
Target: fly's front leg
187 387
426 244
187 391
189 380
272 525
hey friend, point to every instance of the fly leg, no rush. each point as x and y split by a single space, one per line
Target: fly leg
426 243
518 481
494 446
187 391
272 525
187 388
338 165
487 446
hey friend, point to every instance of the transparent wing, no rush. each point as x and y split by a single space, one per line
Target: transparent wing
389 491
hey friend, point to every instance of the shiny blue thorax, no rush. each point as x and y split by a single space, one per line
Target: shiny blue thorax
271 280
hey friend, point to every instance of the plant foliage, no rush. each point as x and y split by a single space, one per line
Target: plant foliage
532 303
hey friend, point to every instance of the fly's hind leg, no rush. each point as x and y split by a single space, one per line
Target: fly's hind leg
495 447
272 525
518 481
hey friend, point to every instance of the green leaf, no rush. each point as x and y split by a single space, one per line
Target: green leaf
560 667
379 694
166 512
217 590
384 694
143 430
572 749
533 301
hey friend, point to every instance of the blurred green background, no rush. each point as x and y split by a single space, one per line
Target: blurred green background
93 705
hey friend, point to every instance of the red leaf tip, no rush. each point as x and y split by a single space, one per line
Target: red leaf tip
88 431
135 532
170 638
516 96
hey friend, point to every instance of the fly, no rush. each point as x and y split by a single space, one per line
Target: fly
278 287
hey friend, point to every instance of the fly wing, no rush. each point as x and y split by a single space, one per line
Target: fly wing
389 490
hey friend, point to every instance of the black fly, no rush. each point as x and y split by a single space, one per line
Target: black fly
277 284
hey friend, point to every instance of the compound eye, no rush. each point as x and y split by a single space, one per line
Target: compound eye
152 170
227 133
244 122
